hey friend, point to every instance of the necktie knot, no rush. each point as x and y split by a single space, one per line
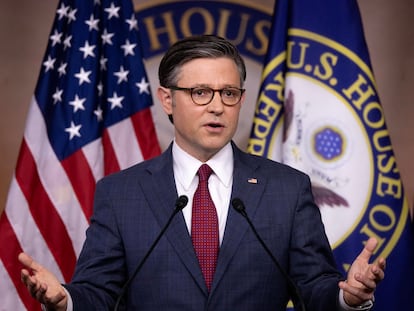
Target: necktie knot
204 172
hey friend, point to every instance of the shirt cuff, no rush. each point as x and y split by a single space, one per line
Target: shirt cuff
367 305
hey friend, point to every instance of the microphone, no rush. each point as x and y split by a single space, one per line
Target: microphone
238 205
180 203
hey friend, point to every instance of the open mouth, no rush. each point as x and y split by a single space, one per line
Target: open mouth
215 125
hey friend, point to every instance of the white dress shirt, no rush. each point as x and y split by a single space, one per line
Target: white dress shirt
219 184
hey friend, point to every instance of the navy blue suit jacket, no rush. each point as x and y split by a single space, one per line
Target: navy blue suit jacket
133 205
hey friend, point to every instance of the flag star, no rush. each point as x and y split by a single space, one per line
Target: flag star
56 38
77 103
66 42
100 88
122 74
49 64
103 62
98 113
57 96
83 76
62 69
115 101
62 11
73 130
92 23
112 11
97 2
87 50
107 37
128 48
71 15
132 22
143 86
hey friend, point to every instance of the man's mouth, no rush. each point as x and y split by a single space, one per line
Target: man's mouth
215 125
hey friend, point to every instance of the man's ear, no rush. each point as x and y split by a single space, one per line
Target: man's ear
164 96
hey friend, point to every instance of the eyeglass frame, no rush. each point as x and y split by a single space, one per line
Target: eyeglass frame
191 89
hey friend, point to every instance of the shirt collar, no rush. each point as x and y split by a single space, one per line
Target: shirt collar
186 166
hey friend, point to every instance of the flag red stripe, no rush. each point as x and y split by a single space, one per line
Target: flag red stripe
44 214
8 255
146 134
81 177
111 164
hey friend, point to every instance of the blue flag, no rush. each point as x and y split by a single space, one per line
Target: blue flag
318 110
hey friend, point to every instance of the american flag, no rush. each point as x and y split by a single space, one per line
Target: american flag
89 116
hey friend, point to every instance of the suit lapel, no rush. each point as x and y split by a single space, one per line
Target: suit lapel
247 186
162 194
161 191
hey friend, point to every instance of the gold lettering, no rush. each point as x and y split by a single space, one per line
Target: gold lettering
328 60
389 165
153 32
385 138
270 108
392 186
266 112
260 29
369 110
261 128
301 61
277 87
256 146
356 90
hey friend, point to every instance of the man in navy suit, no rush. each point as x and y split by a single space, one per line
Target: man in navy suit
202 92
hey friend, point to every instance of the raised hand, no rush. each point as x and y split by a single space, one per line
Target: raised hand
363 277
42 284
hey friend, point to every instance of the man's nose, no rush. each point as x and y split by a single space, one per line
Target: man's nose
216 103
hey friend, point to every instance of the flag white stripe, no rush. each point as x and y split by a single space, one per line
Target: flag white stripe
11 301
54 178
93 153
26 230
127 149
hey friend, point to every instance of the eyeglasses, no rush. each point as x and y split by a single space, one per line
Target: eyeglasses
203 95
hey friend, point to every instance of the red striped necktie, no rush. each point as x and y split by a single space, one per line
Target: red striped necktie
204 226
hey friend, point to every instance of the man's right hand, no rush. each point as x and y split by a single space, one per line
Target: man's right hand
42 284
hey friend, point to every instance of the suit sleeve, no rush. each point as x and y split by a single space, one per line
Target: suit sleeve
100 270
311 260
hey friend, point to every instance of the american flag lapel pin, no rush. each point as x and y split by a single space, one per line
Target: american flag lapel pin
252 180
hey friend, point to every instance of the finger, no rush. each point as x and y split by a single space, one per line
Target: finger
368 249
33 288
378 272
358 293
371 277
28 262
368 283
25 276
53 301
40 294
382 263
29 280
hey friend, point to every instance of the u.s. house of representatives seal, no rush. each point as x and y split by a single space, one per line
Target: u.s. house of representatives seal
321 112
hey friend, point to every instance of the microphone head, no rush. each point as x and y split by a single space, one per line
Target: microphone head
181 202
238 205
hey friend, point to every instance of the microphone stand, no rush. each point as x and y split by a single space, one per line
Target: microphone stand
180 203
238 205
